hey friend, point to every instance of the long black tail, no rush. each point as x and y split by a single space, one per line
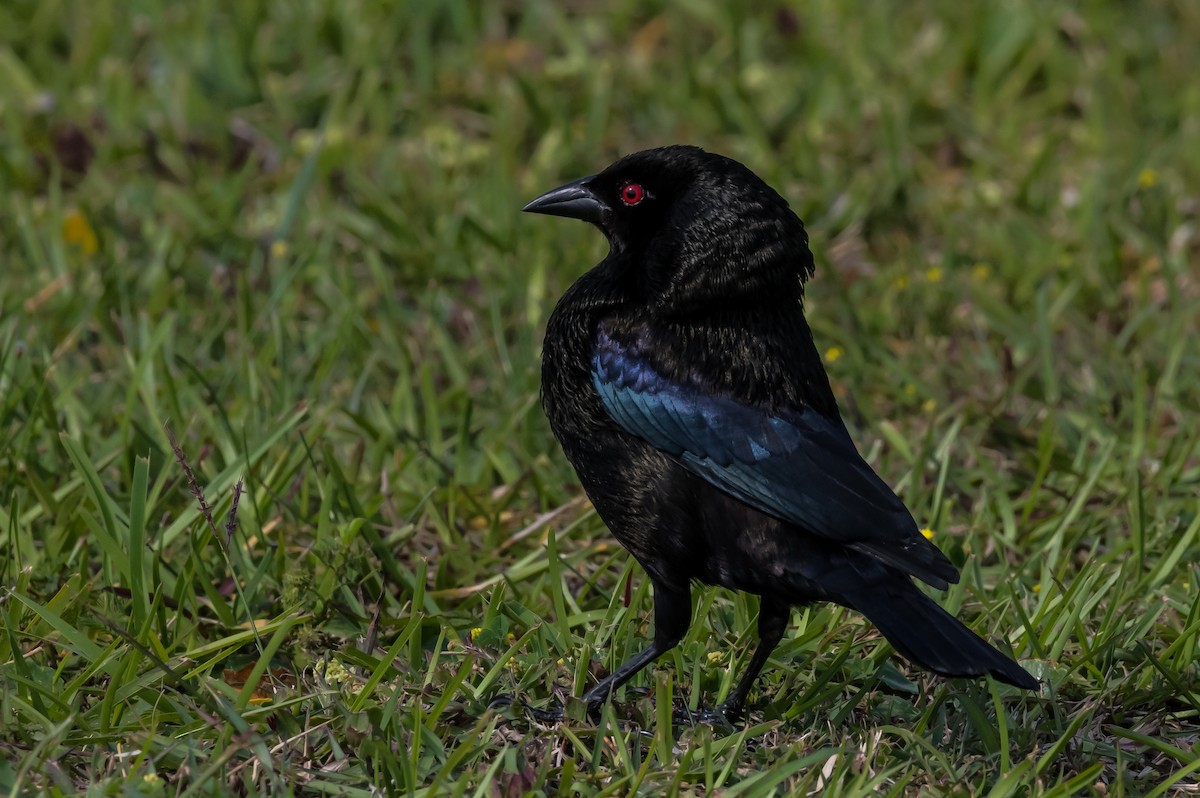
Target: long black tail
929 636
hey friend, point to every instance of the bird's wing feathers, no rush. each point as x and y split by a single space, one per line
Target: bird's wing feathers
802 467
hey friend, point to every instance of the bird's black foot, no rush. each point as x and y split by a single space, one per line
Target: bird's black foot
555 713
505 700
552 715
718 718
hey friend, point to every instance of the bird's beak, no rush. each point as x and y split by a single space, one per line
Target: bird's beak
573 200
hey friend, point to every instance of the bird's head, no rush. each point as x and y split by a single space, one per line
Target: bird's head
692 228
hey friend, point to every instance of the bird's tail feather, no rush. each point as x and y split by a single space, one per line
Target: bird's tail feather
931 637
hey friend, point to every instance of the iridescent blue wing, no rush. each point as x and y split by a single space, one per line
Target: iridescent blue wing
801 466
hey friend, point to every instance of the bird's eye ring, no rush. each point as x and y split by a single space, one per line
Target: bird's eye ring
632 193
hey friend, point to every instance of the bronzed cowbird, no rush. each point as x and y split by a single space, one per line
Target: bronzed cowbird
682 380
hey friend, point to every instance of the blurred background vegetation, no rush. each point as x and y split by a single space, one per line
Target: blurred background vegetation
290 233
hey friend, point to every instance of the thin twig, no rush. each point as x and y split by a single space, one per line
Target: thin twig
193 484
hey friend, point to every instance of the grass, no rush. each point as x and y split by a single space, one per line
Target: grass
288 235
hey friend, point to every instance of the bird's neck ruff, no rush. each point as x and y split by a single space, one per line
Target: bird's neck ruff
721 260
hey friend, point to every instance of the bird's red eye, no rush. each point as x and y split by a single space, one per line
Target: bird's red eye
632 193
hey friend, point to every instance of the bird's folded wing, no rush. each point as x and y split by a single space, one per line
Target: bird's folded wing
802 467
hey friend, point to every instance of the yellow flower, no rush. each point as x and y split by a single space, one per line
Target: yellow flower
279 248
981 271
715 656
1148 178
934 274
1037 588
78 232
476 632
833 353
928 533
929 406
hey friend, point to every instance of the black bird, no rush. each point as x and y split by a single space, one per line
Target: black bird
681 378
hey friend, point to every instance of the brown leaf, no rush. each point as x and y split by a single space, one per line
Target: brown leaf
514 785
268 686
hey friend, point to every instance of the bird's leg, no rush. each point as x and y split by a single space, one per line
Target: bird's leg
672 614
773 618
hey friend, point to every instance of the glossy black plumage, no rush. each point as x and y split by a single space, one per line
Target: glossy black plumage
681 378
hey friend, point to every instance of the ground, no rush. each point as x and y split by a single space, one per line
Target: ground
279 510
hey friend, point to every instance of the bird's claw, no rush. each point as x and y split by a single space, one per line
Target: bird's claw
504 700
720 718
556 713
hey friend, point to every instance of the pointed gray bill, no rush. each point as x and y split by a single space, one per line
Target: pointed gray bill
573 200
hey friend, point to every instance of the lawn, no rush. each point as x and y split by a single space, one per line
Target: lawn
279 509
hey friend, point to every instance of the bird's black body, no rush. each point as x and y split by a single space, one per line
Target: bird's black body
681 378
